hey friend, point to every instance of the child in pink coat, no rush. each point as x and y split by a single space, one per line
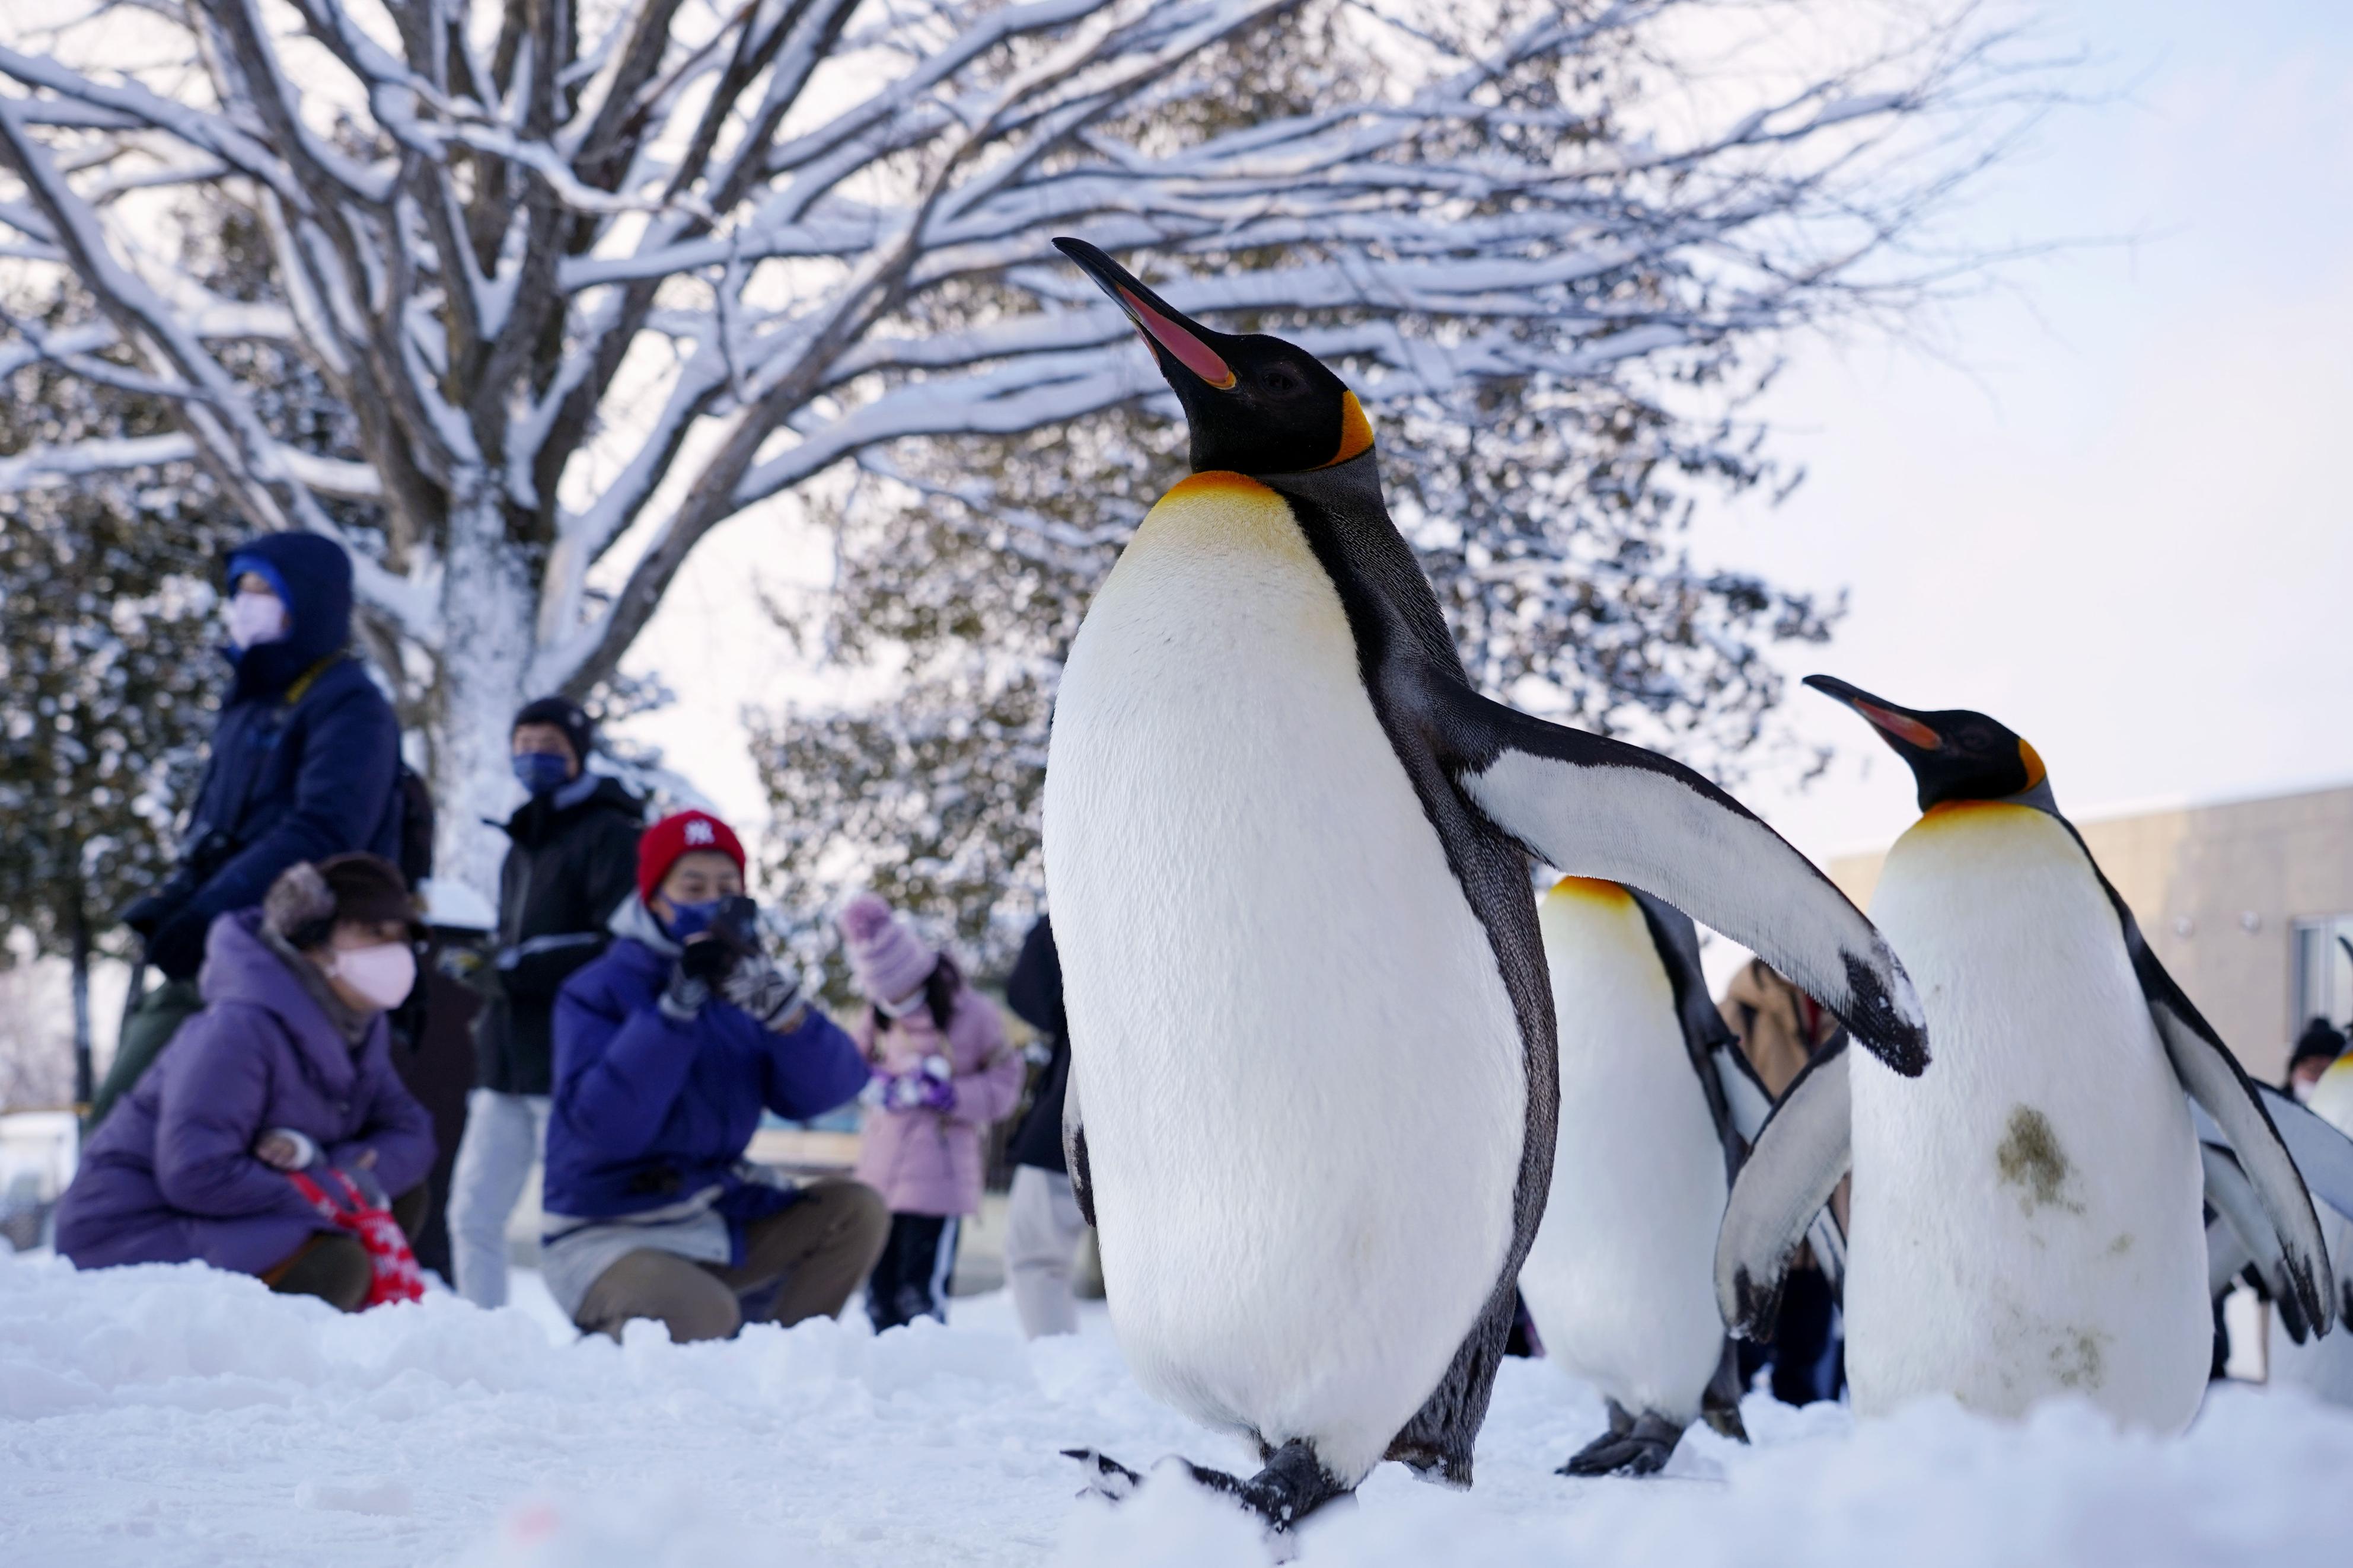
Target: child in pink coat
942 1073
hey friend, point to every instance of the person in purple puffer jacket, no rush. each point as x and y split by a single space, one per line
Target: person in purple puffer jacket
287 1068
942 1073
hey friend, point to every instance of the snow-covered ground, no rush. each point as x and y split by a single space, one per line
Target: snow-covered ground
183 1416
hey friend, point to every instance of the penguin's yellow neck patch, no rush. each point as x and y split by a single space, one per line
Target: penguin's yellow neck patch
1592 887
1355 431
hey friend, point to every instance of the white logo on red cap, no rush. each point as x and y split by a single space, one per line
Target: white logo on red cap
699 832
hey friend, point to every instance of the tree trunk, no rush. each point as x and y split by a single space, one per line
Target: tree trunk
487 612
85 1079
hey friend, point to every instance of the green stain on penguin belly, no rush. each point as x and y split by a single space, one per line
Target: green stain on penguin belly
2030 1160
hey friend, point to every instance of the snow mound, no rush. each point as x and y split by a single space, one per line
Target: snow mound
181 1415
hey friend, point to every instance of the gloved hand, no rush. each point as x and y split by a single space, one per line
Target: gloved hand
177 948
285 1148
702 965
143 915
708 960
766 992
928 1088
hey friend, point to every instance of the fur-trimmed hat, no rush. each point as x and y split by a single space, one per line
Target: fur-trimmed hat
306 900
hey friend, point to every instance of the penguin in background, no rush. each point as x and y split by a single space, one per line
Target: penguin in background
1657 1106
2026 1218
1312 1097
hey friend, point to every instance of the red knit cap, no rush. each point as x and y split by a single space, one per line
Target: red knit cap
686 833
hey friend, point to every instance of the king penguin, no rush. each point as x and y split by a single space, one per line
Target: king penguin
2026 1220
1311 1102
1654 1098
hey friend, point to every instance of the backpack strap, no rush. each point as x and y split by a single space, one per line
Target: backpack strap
302 682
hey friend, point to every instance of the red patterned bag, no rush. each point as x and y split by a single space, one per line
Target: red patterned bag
397 1277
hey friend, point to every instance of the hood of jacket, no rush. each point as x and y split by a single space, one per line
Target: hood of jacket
632 921
317 575
241 967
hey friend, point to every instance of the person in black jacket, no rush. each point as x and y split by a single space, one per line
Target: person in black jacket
304 765
572 859
1043 1223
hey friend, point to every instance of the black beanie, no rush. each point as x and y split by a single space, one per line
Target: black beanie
566 715
2320 1039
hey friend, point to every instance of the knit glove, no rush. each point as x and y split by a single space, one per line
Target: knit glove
766 992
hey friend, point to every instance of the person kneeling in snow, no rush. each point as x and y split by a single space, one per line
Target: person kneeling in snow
667 1049
287 1071
942 1072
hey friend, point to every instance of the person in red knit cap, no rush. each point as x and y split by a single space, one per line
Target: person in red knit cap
667 1050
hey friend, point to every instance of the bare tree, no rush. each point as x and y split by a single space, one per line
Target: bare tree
593 275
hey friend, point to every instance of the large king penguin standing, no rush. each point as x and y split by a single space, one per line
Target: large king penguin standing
1657 1104
2026 1218
1311 1103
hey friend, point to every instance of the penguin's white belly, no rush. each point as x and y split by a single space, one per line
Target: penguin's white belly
1299 1075
1619 1279
2026 1213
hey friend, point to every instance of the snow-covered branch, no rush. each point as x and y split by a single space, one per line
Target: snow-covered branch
693 255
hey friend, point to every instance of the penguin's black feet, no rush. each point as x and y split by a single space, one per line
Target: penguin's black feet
1634 1446
1294 1484
1105 1477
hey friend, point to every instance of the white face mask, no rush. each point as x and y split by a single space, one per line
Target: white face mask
256 616
2302 1089
384 973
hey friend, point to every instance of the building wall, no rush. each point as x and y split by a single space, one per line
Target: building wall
2217 890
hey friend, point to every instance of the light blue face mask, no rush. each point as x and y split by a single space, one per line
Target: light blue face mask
541 773
692 919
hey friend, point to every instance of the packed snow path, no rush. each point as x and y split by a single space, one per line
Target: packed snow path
176 1415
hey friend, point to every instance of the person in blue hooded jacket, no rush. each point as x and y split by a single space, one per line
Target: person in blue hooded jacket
304 765
668 1048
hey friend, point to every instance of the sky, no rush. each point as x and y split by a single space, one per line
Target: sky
2098 501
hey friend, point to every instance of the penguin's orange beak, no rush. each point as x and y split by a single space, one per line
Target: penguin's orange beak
1177 337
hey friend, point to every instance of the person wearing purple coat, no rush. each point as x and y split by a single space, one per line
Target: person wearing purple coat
288 1067
668 1048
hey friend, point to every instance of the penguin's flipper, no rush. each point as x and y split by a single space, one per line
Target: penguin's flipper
1706 1036
2215 1081
2241 1216
2323 1155
1598 807
2213 1077
1074 1151
1791 1175
2219 1087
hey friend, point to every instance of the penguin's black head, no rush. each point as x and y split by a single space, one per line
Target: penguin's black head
1955 754
1257 404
